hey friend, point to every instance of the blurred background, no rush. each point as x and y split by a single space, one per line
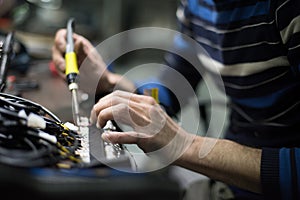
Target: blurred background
36 21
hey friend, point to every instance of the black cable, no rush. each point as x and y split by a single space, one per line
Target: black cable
47 143
27 104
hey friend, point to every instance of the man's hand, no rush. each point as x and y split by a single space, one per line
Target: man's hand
157 134
86 55
153 129
89 61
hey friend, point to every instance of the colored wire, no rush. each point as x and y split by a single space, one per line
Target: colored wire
46 142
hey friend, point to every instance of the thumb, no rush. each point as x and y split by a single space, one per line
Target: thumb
121 137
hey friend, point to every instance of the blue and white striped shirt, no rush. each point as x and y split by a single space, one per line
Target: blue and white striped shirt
255 47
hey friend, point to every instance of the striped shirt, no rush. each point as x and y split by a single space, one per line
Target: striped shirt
255 47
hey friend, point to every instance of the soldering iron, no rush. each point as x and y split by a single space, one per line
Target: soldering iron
72 71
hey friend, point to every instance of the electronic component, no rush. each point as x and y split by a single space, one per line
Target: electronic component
113 155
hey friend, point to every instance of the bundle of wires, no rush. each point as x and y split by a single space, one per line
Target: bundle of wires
32 136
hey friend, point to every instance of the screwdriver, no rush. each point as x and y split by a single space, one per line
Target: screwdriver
72 71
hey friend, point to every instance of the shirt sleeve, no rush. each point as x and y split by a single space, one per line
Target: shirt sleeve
280 173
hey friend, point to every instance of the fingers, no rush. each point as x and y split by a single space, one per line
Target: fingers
103 104
121 137
122 106
129 96
152 128
122 111
81 46
60 40
116 112
58 50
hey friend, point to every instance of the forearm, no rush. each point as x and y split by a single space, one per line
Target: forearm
115 82
226 161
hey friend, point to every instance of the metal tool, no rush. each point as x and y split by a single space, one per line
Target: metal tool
72 71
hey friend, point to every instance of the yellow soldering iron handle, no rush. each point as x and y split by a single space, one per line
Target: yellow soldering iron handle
71 63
